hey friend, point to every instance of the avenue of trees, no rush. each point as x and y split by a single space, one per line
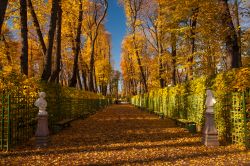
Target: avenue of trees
57 41
174 41
167 42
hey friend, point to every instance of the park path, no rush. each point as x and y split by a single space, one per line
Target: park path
124 135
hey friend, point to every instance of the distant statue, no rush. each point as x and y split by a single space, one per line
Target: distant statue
210 101
209 132
41 103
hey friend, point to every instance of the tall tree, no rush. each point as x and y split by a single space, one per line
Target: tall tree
3 7
173 48
103 68
56 72
24 35
98 17
37 26
154 32
133 9
238 27
52 27
73 80
231 39
193 24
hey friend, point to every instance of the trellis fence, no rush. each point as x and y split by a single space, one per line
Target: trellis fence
232 111
18 115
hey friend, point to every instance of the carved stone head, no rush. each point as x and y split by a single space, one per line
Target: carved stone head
42 94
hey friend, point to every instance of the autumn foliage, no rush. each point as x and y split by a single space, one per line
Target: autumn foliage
178 41
67 43
123 135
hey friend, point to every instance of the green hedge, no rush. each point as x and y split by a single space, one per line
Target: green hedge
184 101
187 101
231 90
67 103
19 113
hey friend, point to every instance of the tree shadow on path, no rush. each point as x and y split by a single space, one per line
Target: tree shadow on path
121 134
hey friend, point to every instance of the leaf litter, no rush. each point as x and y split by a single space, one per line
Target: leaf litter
124 135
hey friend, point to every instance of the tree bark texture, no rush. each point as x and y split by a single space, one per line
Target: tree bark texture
37 26
24 36
55 74
173 46
92 55
231 39
193 46
52 28
3 7
73 80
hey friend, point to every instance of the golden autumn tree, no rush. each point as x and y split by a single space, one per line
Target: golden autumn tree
95 14
132 77
103 66
133 10
186 38
51 35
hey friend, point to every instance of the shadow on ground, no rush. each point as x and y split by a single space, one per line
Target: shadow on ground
122 134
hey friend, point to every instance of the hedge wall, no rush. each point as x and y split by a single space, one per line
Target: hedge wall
187 101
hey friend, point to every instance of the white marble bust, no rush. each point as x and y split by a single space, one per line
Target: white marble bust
41 103
210 101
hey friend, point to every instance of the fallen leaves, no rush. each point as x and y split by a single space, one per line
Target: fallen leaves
123 135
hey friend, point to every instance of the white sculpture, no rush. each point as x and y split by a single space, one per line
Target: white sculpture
41 103
210 133
210 101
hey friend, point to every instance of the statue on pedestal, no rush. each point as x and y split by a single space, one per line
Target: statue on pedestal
210 133
41 103
42 132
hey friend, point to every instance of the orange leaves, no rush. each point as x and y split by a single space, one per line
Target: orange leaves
123 135
242 79
237 79
13 83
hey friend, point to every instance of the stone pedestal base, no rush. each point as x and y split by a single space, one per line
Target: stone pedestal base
210 134
42 141
210 140
42 132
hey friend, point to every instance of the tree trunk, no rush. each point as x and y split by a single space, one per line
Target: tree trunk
161 67
79 80
231 39
37 26
92 55
24 36
142 72
52 27
95 81
192 38
55 74
84 78
135 8
144 80
91 72
173 46
73 80
104 90
238 28
159 34
3 7
210 71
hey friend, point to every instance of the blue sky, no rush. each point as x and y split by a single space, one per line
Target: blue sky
116 25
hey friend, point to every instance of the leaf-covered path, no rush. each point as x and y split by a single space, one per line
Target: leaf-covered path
124 135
